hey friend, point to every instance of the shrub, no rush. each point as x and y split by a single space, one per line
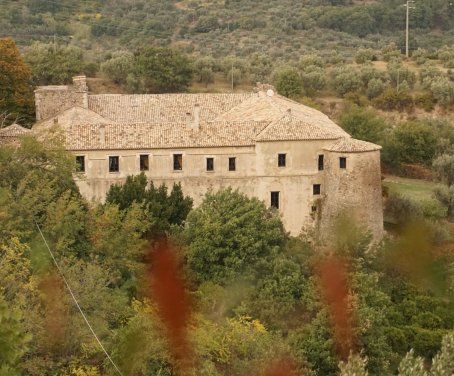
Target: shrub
365 54
393 99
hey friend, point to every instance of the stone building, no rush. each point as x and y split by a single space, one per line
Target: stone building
289 155
12 134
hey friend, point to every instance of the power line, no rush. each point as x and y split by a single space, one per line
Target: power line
76 302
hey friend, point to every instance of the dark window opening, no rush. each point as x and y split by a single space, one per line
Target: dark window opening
281 160
114 164
316 189
232 164
343 162
177 162
321 162
144 162
210 164
275 200
80 163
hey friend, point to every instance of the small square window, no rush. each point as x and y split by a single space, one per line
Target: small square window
316 189
210 164
232 164
144 162
281 160
275 200
80 163
178 162
321 161
343 162
114 164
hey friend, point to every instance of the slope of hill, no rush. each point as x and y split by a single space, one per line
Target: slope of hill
281 29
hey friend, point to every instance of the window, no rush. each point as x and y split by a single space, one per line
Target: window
80 163
275 200
281 160
144 162
321 162
114 164
232 164
210 164
316 189
343 162
177 162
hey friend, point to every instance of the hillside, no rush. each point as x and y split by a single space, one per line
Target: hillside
282 30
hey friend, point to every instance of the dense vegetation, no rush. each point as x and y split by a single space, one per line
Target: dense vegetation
249 295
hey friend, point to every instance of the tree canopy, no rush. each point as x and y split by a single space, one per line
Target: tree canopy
16 93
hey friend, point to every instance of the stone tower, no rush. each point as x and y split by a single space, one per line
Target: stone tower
352 186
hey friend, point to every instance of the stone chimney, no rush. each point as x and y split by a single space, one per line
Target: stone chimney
196 122
80 86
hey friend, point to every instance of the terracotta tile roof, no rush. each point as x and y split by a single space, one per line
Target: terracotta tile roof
72 116
154 108
161 135
291 128
351 145
14 130
275 107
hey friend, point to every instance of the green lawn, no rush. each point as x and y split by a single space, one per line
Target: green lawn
419 191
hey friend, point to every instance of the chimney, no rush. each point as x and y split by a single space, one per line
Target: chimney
196 121
289 111
80 86
188 120
102 136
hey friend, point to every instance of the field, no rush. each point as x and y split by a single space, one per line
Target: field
418 191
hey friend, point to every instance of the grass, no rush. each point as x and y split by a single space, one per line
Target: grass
418 191
412 188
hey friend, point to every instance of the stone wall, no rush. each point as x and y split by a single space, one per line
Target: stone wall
256 175
50 100
354 192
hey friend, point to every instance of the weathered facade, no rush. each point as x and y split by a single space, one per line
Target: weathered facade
286 154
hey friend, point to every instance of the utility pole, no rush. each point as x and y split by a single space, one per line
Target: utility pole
406 26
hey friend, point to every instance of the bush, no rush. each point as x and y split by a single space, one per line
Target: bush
288 82
393 99
365 54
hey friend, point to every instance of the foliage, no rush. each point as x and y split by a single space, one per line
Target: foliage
288 82
161 70
16 95
162 209
55 64
231 236
12 339
119 66
356 366
363 124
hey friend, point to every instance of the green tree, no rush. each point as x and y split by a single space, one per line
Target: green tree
16 94
161 70
230 236
363 124
288 82
163 209
12 339
119 66
56 64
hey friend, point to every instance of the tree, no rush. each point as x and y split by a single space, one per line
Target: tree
444 166
119 66
230 236
162 70
56 64
163 209
356 366
363 124
16 94
288 82
12 339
